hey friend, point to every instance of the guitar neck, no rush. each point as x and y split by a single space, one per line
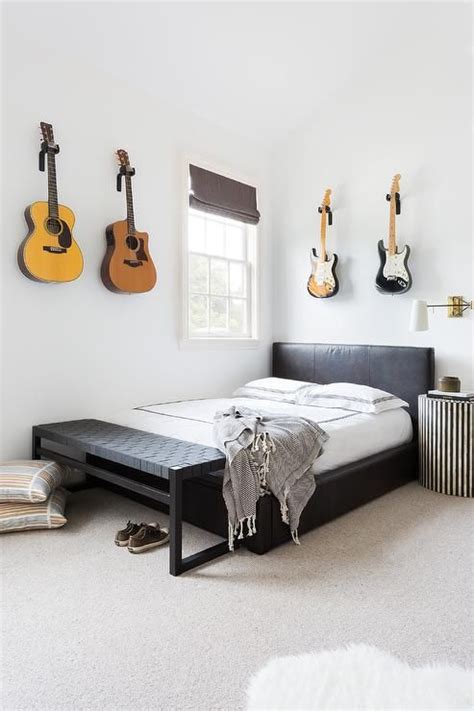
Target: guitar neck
392 233
322 256
130 214
52 186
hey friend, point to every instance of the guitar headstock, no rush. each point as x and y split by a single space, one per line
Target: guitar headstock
122 158
124 163
395 188
325 210
48 135
327 198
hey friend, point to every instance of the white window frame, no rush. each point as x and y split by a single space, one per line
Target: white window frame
187 340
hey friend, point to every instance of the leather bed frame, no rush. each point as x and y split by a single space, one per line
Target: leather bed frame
403 371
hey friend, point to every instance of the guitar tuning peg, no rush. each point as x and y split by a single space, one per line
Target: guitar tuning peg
387 197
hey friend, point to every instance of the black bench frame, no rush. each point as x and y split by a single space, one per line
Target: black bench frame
165 488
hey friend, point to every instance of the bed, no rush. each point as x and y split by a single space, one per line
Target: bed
365 457
352 435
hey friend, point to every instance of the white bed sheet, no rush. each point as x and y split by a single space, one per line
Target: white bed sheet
352 435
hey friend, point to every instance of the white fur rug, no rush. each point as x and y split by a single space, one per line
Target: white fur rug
359 677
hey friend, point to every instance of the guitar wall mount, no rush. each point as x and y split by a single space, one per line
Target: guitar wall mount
397 202
329 213
46 148
124 170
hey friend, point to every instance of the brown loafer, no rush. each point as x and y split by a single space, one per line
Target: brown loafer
122 537
149 536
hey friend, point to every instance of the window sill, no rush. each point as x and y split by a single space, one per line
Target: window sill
216 344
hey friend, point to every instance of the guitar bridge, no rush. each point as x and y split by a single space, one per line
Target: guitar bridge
55 250
133 262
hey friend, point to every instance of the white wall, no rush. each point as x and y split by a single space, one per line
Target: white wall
411 113
78 350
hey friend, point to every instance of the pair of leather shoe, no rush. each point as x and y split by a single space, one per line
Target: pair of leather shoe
139 537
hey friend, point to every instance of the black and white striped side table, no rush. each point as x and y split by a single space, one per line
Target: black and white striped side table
446 435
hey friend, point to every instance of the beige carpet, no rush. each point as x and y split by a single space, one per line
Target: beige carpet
86 625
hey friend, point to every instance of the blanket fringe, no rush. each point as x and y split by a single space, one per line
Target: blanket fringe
231 536
238 531
294 535
262 442
284 509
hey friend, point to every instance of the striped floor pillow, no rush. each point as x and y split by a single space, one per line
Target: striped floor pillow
30 480
21 516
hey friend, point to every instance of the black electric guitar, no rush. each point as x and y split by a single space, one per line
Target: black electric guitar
393 276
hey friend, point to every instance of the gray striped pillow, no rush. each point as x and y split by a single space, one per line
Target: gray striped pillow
350 396
16 516
30 480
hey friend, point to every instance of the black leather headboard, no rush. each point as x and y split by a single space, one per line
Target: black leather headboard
401 370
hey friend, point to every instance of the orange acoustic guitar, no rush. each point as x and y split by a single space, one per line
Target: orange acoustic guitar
49 252
127 266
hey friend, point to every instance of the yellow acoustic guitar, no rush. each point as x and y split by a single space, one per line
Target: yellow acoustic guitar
49 252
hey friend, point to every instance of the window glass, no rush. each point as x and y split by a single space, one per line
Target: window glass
221 277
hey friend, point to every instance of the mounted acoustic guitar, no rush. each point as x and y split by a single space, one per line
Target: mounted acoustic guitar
323 281
49 252
127 266
393 276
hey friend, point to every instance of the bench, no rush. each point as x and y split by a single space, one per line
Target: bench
141 462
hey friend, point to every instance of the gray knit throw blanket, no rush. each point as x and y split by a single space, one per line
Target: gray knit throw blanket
266 454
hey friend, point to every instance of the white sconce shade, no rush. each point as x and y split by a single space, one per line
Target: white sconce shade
419 315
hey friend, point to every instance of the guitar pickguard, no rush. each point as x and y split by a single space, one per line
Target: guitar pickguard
141 253
62 236
394 267
393 276
323 282
323 275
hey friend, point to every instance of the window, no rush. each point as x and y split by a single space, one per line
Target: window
221 274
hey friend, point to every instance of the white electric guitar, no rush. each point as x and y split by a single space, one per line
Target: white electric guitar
393 276
323 281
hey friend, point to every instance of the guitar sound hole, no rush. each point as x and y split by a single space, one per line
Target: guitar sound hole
53 225
132 242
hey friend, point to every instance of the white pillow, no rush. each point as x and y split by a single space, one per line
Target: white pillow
279 389
349 396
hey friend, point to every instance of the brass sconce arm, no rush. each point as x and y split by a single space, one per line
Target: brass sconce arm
456 306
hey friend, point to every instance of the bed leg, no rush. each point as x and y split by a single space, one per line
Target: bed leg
261 542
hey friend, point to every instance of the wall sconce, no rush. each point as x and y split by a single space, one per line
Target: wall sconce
419 311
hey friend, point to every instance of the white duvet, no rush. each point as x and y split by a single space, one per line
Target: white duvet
352 435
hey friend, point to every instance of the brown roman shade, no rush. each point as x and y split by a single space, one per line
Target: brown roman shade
215 193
